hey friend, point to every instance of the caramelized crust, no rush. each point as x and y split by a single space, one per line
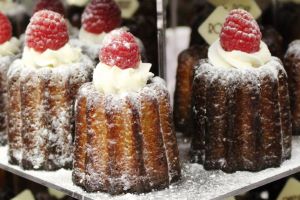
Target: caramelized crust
129 159
153 148
59 107
241 117
4 66
292 66
183 89
285 113
97 163
245 126
14 119
272 137
217 118
34 148
80 139
41 112
199 107
168 133
130 145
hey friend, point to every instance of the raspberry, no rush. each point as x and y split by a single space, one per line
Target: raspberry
240 32
54 5
5 28
46 30
120 49
101 16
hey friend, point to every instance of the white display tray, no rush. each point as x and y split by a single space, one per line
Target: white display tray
196 182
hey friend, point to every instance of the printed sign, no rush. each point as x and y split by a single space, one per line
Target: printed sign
128 7
211 27
286 1
291 190
248 5
56 193
26 194
231 198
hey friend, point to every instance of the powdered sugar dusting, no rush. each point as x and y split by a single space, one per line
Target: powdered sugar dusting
241 139
134 133
234 74
196 182
112 35
4 66
42 106
121 49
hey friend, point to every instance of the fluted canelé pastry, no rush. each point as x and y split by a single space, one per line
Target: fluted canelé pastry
240 100
187 59
125 141
292 66
9 51
42 86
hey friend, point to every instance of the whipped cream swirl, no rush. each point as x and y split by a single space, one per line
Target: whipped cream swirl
10 47
237 59
51 58
90 38
113 80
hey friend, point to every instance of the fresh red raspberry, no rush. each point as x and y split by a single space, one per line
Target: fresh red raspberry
5 28
54 5
46 30
240 32
120 49
101 16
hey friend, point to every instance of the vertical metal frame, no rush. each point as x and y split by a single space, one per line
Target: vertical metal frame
161 38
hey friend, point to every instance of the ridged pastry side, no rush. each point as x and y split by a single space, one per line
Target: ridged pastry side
34 128
292 67
4 66
285 112
245 124
41 113
169 138
129 147
80 138
187 59
14 120
270 124
241 117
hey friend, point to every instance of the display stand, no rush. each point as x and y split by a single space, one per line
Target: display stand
196 182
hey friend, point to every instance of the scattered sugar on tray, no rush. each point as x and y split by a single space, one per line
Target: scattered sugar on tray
196 182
